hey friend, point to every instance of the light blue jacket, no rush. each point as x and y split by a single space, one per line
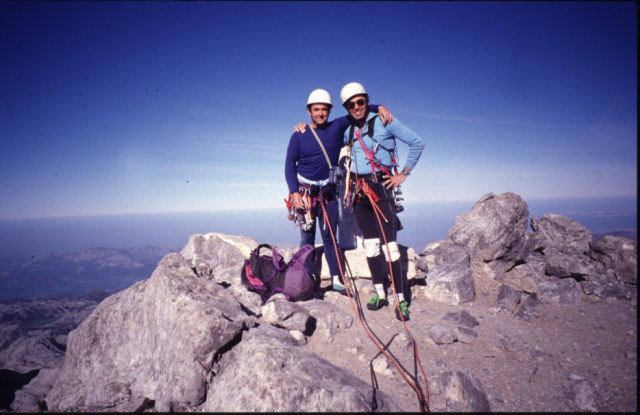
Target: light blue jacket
384 144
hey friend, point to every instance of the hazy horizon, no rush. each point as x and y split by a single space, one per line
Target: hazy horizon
423 222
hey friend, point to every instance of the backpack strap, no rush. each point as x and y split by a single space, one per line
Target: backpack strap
370 156
275 255
321 146
370 124
302 254
370 130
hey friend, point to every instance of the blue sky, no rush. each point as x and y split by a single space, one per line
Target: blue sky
147 107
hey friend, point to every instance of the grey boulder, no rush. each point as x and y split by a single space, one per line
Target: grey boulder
267 372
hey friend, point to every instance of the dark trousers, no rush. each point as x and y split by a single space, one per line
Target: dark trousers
369 226
309 237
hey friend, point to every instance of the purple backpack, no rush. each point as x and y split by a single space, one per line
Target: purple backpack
269 274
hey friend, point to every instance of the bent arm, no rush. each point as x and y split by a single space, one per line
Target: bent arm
414 141
291 164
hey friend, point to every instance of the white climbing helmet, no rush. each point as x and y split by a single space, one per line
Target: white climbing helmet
319 96
350 90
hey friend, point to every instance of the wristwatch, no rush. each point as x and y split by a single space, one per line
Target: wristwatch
406 171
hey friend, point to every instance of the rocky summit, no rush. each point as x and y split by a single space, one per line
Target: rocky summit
502 318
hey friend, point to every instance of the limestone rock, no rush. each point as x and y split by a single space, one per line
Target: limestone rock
33 339
441 253
609 291
10 382
528 309
285 378
218 256
462 318
559 229
466 335
247 299
33 350
328 318
466 389
508 298
381 365
442 334
180 340
494 229
584 395
618 254
525 277
560 291
451 284
26 399
299 337
563 262
282 313
156 339
358 262
403 342
355 257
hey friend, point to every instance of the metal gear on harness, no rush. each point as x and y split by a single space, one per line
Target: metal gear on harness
302 218
353 191
373 197
397 200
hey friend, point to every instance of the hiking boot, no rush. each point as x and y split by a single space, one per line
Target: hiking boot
339 288
404 310
376 303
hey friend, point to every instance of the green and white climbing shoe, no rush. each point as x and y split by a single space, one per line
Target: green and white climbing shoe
404 310
376 303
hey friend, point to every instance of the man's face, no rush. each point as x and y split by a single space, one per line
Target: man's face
357 106
319 113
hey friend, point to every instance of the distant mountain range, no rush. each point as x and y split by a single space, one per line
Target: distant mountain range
59 274
624 233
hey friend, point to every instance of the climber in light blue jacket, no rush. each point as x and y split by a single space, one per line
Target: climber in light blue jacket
371 186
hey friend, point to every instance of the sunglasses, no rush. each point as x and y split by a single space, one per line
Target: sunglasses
360 102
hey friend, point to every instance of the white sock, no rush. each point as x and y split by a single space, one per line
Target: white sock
400 297
336 280
380 290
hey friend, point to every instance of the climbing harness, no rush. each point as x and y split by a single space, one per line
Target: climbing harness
412 380
373 162
370 154
301 217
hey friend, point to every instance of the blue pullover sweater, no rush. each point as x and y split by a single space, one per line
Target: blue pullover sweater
305 157
384 145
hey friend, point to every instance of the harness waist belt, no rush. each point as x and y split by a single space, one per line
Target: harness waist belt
319 183
370 177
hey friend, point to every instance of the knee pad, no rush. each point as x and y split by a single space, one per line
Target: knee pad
371 247
394 251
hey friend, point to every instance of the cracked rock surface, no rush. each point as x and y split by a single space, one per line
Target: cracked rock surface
192 338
